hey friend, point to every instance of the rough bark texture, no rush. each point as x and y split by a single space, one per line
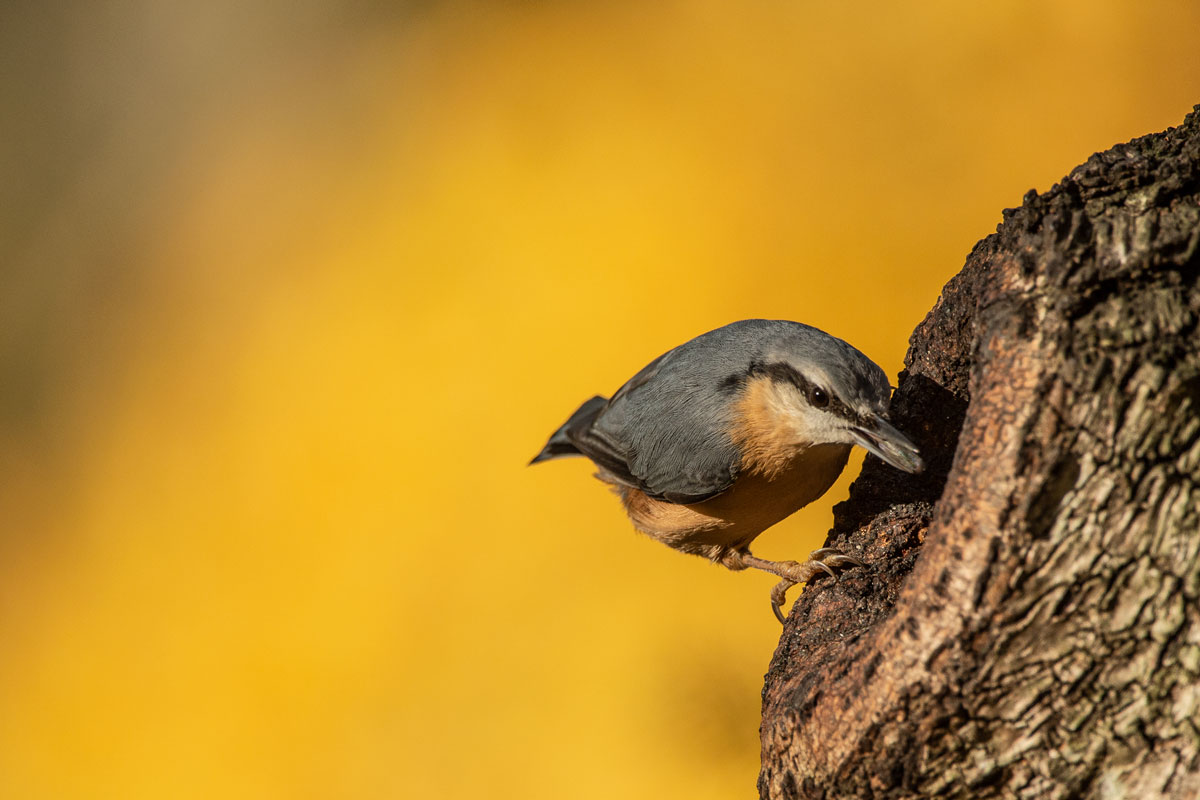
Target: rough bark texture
1029 621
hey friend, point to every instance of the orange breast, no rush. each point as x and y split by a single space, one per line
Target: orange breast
731 520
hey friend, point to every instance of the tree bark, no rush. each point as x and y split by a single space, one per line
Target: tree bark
1028 624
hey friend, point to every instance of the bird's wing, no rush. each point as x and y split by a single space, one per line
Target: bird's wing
659 437
686 466
610 453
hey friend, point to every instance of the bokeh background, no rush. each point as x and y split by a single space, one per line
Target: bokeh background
293 290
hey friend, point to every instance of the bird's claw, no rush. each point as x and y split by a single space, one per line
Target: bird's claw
834 557
840 560
825 559
778 596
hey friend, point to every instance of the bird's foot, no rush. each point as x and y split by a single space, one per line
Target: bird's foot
826 559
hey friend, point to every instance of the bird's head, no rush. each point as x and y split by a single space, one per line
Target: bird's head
812 389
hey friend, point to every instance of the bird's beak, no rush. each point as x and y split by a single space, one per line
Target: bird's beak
879 437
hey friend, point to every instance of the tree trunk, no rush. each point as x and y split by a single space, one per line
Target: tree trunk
1028 624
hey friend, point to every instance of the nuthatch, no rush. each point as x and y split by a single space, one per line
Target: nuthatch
717 440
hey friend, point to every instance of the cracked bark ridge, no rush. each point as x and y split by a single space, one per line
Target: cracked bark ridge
1029 622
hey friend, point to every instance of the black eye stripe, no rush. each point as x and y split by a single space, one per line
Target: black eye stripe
782 372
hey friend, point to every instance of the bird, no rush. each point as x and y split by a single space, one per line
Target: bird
720 438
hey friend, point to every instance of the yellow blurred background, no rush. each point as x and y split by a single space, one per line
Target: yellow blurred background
292 292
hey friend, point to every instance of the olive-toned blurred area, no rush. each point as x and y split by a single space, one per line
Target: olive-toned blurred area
292 291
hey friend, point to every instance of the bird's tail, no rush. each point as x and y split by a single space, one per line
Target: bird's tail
560 443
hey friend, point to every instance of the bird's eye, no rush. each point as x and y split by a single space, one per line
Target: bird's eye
818 397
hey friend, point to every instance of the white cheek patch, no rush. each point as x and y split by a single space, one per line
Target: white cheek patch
805 424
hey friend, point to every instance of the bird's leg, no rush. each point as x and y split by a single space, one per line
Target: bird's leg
824 560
